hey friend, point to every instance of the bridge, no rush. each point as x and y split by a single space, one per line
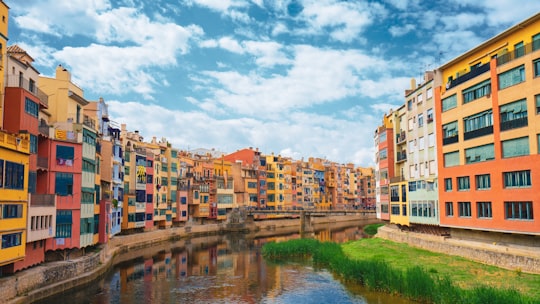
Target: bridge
306 215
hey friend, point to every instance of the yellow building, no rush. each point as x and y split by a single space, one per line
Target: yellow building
225 197
4 12
14 165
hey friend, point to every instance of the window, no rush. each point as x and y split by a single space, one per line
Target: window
513 115
448 184
536 65
464 209
419 98
450 132
421 143
420 120
1 173
429 115
519 49
480 90
394 193
481 122
11 211
449 103
451 159
395 209
518 210
383 154
31 107
11 240
536 42
537 97
463 183
483 210
449 206
382 137
409 105
14 176
517 179
33 144
412 186
64 152
483 181
511 77
63 184
515 147
431 140
429 93
479 154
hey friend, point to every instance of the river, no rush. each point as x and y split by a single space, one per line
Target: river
222 269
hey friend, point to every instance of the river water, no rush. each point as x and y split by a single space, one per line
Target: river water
222 269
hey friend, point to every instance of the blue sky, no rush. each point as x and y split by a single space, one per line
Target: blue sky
299 78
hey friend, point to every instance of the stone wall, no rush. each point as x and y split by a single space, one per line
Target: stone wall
512 258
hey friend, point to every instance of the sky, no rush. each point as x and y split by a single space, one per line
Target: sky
297 78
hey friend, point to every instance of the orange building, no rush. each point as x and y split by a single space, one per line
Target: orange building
487 107
384 165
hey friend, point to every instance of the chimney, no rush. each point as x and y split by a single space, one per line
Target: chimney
413 83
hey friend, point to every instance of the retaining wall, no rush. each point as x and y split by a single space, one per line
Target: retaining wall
504 256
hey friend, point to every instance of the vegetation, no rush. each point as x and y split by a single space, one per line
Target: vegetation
423 282
372 229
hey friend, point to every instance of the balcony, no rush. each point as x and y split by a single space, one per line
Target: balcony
44 130
478 132
468 76
518 53
514 124
43 163
89 122
42 200
397 179
401 156
15 81
400 138
450 140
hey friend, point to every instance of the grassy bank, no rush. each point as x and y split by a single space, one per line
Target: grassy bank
413 273
372 229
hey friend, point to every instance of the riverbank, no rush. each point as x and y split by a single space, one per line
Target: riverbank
516 258
415 274
51 278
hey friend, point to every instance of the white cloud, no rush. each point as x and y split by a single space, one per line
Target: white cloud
58 17
325 136
316 76
230 45
344 20
397 31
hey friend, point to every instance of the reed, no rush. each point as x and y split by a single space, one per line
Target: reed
415 283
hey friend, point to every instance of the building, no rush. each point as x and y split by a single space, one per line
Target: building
487 103
4 14
14 164
384 165
26 111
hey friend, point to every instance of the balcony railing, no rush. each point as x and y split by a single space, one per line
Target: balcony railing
43 162
29 85
44 130
89 122
401 156
450 140
468 76
478 132
514 124
400 138
42 200
397 179
518 52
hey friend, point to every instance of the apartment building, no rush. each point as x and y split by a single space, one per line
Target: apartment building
26 111
487 106
14 165
384 165
421 162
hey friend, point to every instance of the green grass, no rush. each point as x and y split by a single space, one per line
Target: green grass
416 274
462 272
372 229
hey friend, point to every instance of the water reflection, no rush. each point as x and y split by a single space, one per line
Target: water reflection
222 269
